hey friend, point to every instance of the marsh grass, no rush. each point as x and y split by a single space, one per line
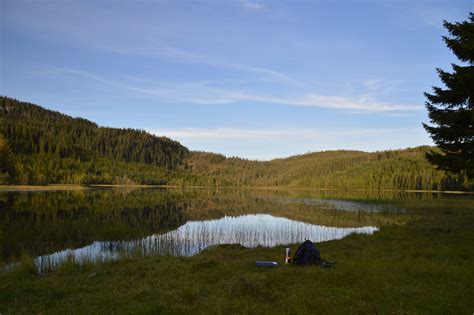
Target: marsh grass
25 268
425 266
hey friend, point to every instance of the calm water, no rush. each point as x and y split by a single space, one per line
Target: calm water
105 224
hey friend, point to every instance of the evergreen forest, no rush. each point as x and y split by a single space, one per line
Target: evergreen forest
40 146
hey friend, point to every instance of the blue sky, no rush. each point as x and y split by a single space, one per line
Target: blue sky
255 79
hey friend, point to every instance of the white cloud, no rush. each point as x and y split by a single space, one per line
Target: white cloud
97 32
164 50
202 93
261 134
105 31
252 6
339 102
434 15
265 144
371 84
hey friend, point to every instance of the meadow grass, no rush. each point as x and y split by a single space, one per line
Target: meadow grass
424 266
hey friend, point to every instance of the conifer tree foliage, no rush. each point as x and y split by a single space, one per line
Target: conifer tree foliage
31 130
46 147
451 110
6 168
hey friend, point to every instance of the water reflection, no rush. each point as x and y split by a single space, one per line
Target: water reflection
103 224
35 224
189 239
346 205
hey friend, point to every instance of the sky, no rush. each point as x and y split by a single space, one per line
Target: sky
253 79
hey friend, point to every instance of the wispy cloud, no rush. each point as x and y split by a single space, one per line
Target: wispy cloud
435 15
161 49
89 31
252 6
220 96
432 17
203 93
371 84
261 134
277 143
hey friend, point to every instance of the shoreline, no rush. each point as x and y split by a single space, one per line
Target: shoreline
33 188
76 187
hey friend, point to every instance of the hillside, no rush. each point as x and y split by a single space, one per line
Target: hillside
50 147
31 129
397 169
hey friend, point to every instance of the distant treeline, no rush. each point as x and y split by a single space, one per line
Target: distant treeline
40 146
398 169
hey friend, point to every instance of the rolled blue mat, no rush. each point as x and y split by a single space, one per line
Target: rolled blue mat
266 263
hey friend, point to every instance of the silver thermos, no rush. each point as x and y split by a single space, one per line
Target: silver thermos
287 255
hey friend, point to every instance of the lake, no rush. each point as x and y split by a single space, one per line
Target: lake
105 224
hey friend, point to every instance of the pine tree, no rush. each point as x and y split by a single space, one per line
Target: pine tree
451 110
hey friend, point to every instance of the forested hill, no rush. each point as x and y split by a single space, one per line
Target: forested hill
31 129
50 147
342 169
39 146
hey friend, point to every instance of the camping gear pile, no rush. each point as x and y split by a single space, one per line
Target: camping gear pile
306 255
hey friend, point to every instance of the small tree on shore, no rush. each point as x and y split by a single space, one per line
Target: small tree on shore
451 110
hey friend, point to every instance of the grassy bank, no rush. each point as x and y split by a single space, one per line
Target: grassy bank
58 187
425 266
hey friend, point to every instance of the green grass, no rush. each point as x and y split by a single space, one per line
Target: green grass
425 266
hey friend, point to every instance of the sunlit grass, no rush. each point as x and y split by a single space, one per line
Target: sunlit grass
57 187
424 266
